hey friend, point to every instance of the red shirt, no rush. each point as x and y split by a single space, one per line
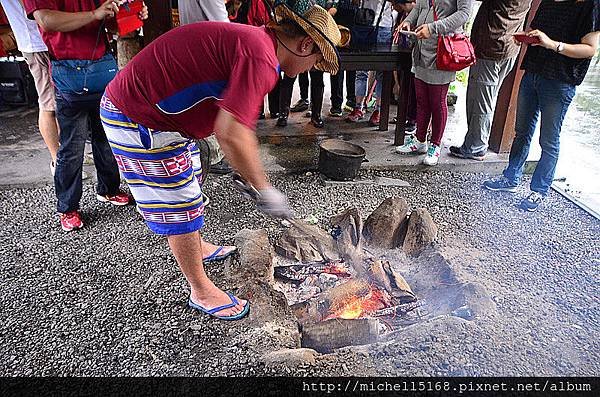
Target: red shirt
179 81
78 44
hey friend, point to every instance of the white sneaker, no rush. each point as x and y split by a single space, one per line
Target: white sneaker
412 145
433 155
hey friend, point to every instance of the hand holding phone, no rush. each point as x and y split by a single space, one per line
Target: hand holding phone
523 37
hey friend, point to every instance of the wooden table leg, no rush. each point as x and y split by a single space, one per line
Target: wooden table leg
386 96
404 78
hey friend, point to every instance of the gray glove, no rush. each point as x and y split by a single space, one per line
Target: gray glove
274 203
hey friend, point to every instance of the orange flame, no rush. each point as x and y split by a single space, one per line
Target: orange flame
355 307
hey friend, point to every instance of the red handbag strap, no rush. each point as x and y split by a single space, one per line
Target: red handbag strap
435 17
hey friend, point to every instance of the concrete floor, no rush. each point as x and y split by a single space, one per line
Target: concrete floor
290 149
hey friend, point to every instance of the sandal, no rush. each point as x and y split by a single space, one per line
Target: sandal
220 254
212 312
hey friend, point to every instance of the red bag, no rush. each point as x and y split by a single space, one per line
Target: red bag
454 52
127 19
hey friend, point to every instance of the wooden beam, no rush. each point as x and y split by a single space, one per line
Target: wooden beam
503 126
160 19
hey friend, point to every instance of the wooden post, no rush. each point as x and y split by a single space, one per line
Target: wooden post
503 126
127 48
160 19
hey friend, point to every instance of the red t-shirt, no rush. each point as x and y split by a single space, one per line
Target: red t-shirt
78 44
179 81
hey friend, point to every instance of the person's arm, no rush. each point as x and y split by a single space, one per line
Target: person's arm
587 48
214 10
450 24
61 21
240 146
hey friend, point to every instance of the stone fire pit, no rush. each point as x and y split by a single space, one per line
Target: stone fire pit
357 283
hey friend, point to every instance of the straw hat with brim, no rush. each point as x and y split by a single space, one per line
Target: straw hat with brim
321 27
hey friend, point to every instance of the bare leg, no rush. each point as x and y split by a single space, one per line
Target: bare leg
187 249
49 130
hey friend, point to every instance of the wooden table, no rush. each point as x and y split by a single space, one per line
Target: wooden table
386 58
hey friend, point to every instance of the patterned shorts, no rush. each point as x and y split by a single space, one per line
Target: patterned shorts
162 169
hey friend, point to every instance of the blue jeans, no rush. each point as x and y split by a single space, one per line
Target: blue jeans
551 99
75 120
384 36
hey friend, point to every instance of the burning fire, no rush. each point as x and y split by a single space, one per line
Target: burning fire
337 269
355 307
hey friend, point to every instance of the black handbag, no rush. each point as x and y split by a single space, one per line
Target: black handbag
364 33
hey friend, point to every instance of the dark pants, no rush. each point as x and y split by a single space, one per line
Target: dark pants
317 87
273 99
75 121
304 83
337 89
548 100
317 90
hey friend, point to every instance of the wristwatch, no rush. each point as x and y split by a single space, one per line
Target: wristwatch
561 47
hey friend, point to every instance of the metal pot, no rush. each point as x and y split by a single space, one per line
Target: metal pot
339 160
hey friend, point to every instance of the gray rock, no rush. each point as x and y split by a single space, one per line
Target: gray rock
421 232
255 258
290 358
385 226
307 243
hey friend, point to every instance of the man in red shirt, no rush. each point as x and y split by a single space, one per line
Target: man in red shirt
74 33
191 81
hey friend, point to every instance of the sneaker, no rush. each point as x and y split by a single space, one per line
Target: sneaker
456 151
371 104
532 202
500 184
119 199
374 119
355 115
71 221
221 168
348 107
281 121
433 155
300 106
412 145
333 112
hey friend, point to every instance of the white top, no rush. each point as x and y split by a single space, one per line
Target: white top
25 30
389 15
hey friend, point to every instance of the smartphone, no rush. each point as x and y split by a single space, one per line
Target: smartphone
523 38
408 33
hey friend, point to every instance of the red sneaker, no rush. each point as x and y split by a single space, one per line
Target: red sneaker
71 221
374 119
355 116
119 199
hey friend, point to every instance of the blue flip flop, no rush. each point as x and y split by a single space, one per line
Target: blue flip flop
217 256
217 309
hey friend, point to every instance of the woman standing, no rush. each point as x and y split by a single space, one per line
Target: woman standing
567 34
431 84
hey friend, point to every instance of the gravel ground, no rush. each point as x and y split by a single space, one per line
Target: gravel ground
109 300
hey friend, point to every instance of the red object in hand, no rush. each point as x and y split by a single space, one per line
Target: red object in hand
524 38
128 18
